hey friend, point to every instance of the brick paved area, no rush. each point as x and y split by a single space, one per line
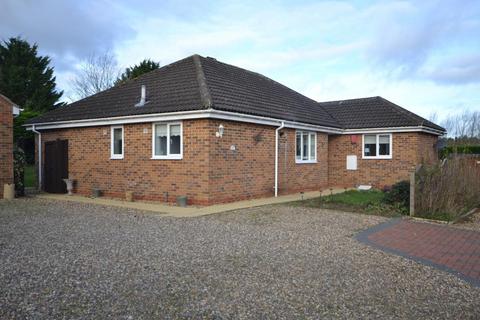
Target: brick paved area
450 249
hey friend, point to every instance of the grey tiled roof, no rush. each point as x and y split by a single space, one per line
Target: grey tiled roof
197 83
373 112
170 88
239 90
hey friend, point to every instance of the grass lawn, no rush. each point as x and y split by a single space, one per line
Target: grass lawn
30 177
370 202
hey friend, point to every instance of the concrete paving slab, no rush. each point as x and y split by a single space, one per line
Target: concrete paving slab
190 211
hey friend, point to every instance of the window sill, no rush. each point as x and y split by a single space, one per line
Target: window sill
116 158
305 161
166 158
377 158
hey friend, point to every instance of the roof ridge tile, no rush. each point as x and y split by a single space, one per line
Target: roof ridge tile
205 95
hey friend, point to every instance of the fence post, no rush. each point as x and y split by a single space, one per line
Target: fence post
412 193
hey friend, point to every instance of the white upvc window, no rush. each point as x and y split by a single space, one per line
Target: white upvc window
377 146
305 147
116 142
167 141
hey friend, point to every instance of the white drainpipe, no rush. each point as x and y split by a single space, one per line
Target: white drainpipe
276 156
39 156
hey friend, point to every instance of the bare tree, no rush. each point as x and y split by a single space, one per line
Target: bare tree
433 117
96 73
464 126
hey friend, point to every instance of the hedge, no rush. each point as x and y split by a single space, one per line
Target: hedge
467 149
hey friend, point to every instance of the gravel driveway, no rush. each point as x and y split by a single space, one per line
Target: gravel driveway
76 261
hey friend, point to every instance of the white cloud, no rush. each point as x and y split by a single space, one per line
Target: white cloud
65 30
457 70
422 55
420 97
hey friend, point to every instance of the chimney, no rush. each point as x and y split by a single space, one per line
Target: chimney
143 97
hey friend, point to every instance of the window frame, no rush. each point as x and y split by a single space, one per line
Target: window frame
168 156
301 133
377 143
114 156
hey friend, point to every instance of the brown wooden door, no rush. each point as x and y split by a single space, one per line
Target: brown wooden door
56 166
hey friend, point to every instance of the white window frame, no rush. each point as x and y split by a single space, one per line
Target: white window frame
377 140
112 149
168 156
302 132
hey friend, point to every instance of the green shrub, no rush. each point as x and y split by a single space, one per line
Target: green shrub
18 171
399 194
465 149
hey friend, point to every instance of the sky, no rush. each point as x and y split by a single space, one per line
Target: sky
422 55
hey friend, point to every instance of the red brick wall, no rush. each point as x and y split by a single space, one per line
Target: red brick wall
409 149
237 166
6 143
90 164
248 171
427 149
295 177
210 171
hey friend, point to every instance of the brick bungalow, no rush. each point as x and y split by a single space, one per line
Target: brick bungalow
8 110
218 133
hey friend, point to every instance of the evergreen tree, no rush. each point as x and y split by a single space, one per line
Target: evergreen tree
26 77
145 66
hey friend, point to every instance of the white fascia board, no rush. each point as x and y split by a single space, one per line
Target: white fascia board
309 127
119 120
185 115
216 114
395 129
223 115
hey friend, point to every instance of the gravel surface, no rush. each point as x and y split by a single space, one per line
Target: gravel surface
77 261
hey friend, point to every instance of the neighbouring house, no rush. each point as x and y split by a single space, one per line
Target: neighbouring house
218 133
8 110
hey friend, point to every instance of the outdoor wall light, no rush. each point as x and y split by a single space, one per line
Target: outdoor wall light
219 133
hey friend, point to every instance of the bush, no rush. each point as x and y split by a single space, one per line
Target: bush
399 194
465 149
18 171
446 191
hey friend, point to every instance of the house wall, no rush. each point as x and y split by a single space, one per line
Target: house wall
427 148
90 165
242 163
6 144
409 149
237 166
296 177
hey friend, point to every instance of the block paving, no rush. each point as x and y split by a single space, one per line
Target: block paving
448 248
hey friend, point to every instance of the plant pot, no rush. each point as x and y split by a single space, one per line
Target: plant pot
182 201
96 192
69 183
8 191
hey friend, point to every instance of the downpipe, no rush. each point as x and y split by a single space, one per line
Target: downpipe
276 156
39 156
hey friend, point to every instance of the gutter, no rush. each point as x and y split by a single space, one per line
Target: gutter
223 115
39 156
276 156
182 115
395 129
